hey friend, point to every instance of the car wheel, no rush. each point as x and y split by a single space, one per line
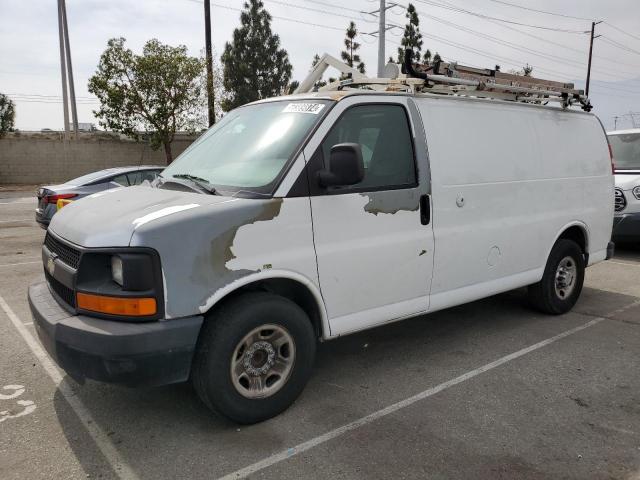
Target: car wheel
561 283
254 356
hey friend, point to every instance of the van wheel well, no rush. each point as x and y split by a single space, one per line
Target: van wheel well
284 287
577 234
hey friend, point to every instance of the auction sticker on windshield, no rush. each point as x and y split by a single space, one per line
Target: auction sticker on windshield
314 108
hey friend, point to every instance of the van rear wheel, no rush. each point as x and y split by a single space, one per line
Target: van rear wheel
561 283
254 357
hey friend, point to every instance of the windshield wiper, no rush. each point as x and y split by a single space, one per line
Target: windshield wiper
203 183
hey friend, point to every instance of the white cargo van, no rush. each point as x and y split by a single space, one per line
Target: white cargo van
626 154
313 216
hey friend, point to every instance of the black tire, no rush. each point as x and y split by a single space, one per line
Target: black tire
543 295
223 331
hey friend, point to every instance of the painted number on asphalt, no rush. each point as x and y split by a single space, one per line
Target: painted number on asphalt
11 392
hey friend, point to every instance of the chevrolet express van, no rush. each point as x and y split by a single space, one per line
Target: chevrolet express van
308 217
626 154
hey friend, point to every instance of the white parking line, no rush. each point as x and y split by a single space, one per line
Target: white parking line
629 264
314 442
119 465
18 202
19 263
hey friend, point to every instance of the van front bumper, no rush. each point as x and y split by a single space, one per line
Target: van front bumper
626 227
126 353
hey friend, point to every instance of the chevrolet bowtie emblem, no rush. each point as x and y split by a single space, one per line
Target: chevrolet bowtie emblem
51 264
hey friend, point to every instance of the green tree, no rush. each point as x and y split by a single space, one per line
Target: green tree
7 114
255 66
412 39
158 92
293 86
349 55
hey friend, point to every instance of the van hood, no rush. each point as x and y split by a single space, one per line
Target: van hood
110 218
627 180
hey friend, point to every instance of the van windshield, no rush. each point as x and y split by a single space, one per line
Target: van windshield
251 146
626 151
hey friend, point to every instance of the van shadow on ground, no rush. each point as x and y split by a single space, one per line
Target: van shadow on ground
168 433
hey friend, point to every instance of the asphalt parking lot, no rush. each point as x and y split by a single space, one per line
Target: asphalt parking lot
485 390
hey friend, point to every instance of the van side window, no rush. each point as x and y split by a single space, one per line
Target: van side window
385 139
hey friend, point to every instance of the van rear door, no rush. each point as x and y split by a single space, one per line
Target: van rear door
374 241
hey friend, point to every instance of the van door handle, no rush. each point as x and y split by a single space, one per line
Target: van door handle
425 210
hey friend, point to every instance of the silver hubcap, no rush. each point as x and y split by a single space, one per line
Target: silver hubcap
565 277
262 361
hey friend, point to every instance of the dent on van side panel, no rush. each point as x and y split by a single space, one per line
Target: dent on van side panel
207 249
500 193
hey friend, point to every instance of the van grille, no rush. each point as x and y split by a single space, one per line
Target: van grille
67 254
64 292
620 200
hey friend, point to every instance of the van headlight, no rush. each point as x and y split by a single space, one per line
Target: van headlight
117 270
636 192
120 283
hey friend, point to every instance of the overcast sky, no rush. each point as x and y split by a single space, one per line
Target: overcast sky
30 61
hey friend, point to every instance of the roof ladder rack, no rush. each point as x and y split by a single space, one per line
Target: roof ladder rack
450 79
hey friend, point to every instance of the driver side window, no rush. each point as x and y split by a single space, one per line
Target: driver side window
383 133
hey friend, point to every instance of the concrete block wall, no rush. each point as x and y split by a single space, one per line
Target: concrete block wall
40 158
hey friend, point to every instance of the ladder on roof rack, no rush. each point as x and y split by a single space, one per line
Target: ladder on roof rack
450 79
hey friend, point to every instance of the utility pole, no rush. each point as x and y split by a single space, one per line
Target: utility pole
63 73
382 30
209 61
615 122
593 30
72 90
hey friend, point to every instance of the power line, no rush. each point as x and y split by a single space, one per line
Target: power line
515 46
293 20
619 45
557 44
309 9
333 5
481 15
622 31
540 11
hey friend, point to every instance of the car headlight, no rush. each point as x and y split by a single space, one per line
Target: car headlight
636 192
117 270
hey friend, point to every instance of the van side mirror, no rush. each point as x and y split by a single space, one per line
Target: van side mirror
345 166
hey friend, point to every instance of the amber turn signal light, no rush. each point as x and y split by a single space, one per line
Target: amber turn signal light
125 306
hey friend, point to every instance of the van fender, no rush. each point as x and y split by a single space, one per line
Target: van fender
573 223
223 292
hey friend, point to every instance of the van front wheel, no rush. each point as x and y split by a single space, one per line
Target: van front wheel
254 357
561 283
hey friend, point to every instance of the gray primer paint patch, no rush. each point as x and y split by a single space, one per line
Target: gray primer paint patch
195 246
391 201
